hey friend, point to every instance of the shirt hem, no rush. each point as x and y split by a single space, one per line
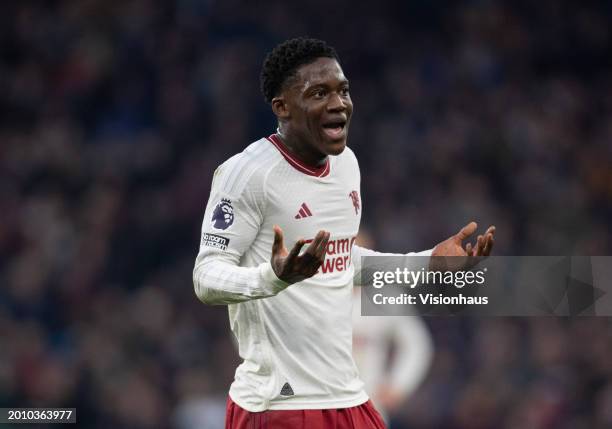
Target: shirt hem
322 405
294 405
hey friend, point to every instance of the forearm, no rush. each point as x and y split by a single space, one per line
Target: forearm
217 281
358 252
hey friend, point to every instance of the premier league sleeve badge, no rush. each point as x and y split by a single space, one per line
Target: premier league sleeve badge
223 215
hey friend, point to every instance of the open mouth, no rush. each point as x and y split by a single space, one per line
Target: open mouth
334 129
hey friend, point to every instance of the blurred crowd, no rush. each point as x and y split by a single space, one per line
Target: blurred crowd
114 115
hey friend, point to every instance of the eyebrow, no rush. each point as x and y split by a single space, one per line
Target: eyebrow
342 82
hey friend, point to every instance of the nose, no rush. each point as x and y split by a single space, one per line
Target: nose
336 103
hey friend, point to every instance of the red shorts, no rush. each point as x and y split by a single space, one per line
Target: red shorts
363 416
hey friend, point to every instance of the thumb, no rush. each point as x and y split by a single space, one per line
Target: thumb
466 231
278 244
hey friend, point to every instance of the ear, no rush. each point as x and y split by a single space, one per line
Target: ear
280 107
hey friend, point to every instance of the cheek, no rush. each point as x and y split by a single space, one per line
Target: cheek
312 119
349 106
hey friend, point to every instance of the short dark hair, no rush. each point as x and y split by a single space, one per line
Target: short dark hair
282 62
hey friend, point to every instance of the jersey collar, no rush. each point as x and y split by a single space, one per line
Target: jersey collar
321 171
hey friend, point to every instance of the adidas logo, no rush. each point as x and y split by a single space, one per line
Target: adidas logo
304 212
287 390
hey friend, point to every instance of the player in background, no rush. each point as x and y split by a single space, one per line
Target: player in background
393 354
289 308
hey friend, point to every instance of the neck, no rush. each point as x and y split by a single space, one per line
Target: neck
301 150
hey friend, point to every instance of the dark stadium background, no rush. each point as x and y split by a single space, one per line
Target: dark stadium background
114 115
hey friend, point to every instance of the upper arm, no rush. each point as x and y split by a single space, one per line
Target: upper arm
234 214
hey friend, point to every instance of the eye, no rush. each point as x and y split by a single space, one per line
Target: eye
344 91
319 93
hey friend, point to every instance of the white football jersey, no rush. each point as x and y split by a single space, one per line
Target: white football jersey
295 341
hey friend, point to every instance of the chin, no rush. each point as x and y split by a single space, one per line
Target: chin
338 150
335 148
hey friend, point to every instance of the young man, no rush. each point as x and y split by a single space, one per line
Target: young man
290 310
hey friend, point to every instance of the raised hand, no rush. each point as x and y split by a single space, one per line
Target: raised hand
453 246
293 267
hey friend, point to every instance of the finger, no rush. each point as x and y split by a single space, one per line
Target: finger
479 245
295 251
466 231
490 230
277 245
488 245
322 249
468 249
315 243
312 261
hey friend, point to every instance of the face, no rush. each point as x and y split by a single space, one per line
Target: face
317 109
